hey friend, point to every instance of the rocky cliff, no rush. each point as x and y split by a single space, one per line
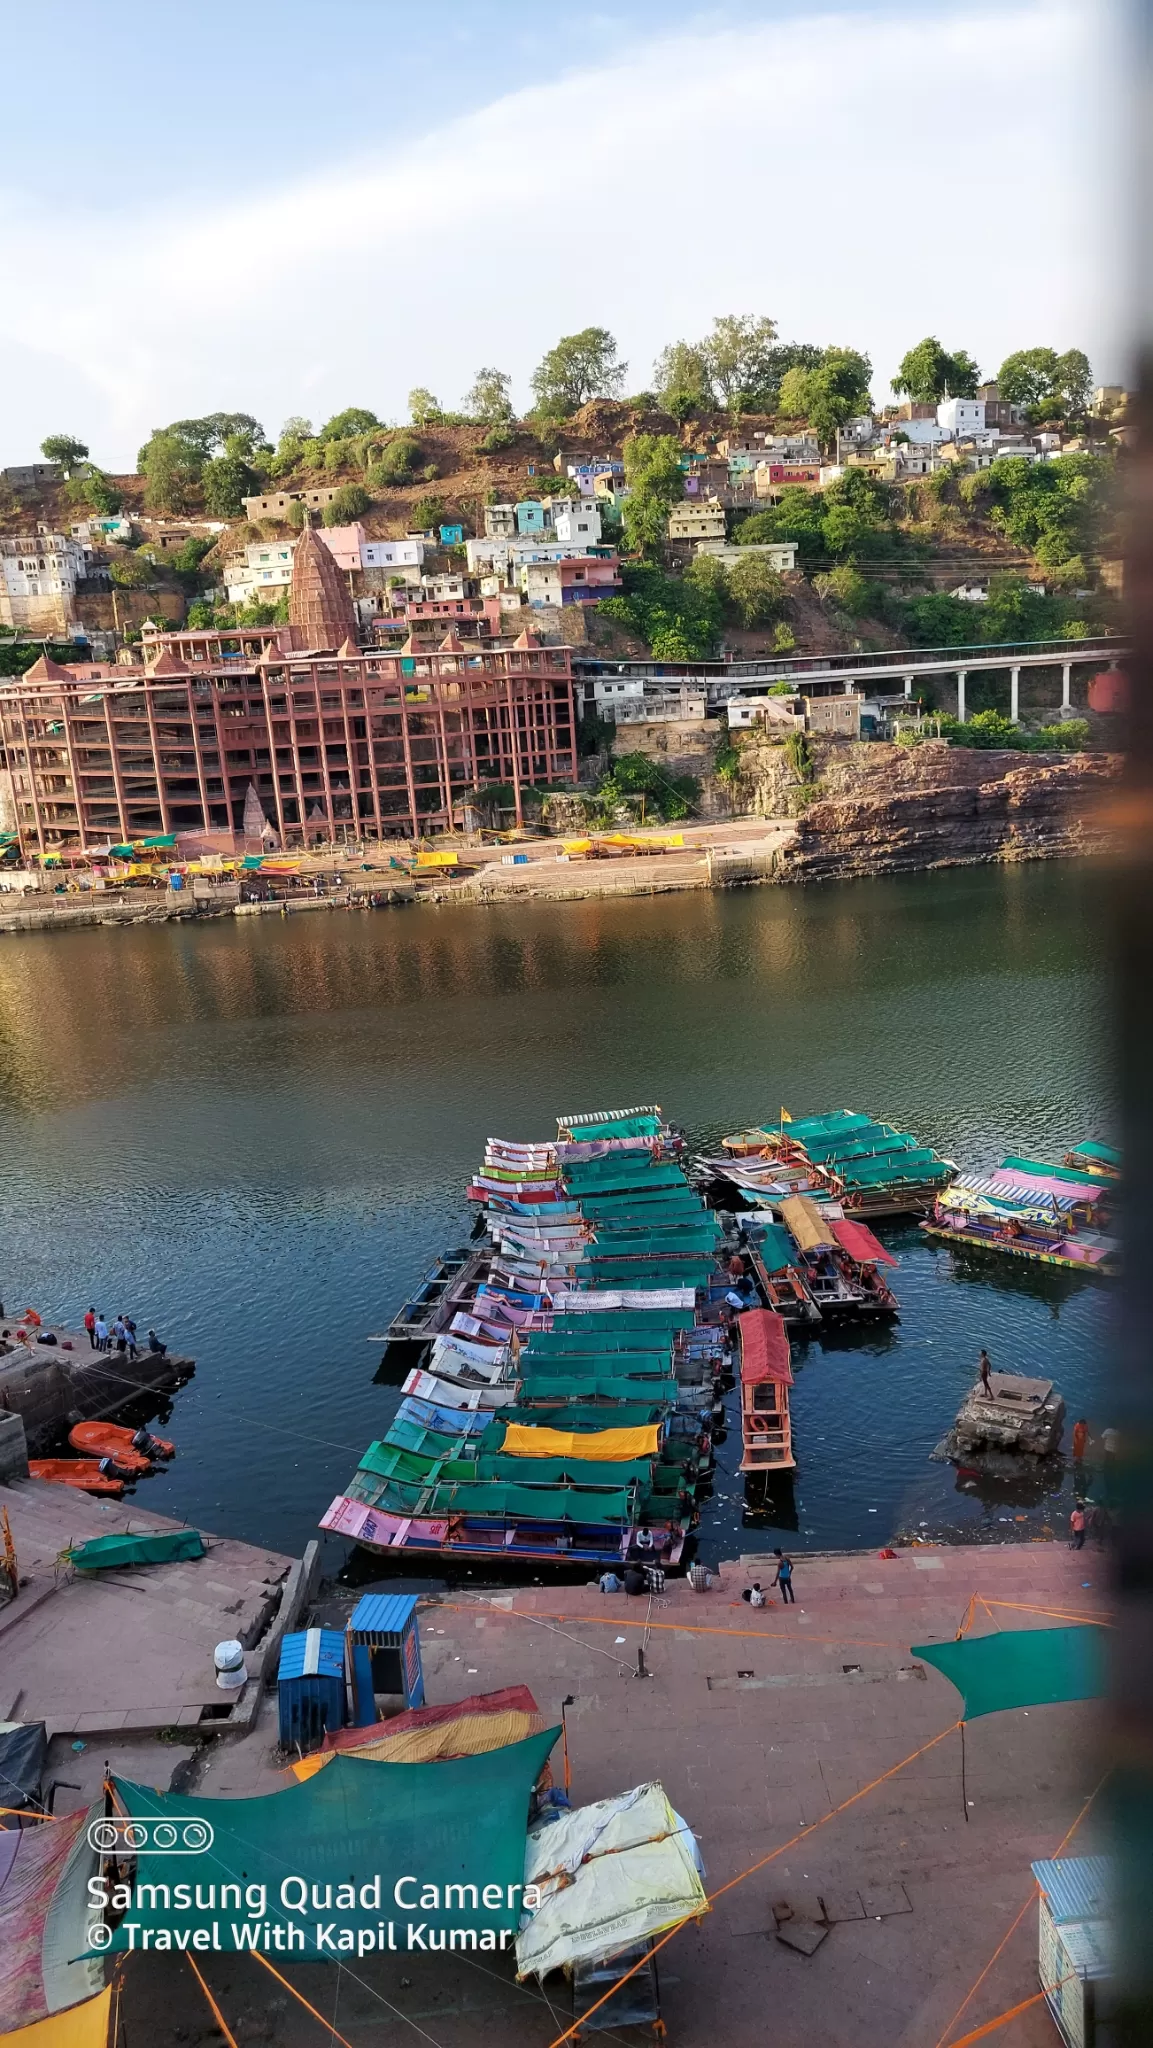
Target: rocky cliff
876 808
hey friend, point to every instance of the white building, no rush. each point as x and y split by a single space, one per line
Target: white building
920 433
261 573
577 522
780 711
392 554
780 555
493 555
38 577
610 692
701 522
959 417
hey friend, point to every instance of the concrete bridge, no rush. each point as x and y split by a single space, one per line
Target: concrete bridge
889 673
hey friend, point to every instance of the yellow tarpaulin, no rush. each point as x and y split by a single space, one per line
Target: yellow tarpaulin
82 2026
437 860
614 1445
471 1735
805 1221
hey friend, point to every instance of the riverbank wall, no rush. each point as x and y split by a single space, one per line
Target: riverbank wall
51 1387
867 808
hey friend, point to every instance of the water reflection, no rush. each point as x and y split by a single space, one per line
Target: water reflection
257 1132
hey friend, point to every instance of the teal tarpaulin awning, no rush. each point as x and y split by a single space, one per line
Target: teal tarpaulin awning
1029 1667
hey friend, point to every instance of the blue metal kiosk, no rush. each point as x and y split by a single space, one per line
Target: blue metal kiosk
383 1651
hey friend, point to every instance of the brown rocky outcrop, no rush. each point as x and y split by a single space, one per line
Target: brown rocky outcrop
882 809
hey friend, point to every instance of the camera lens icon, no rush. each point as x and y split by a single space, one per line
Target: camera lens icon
131 1836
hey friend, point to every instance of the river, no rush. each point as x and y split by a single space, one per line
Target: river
255 1134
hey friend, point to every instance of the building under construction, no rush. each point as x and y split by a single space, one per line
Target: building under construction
221 736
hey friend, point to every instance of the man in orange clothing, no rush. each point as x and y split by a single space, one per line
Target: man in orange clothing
1080 1439
90 1326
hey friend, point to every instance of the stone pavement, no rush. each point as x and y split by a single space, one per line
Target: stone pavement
759 1724
129 1650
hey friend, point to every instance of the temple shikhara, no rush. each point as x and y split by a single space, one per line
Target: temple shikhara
214 731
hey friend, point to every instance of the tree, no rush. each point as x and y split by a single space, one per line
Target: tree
298 514
91 487
581 366
295 431
355 419
398 464
656 482
489 399
929 373
130 573
64 449
227 482
171 470
1059 386
423 408
737 356
756 590
351 502
681 378
427 513
830 394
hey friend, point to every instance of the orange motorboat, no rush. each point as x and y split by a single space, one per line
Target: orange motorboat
134 1450
80 1472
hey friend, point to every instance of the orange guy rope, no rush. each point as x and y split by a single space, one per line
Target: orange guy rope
217 2015
990 2026
303 2000
1007 1937
750 1872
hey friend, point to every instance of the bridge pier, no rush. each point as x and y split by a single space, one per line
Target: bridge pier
1066 685
908 686
1015 695
962 678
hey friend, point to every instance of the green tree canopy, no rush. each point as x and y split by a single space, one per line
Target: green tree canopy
399 463
351 502
681 380
756 590
172 471
834 391
295 431
355 419
656 483
1057 386
929 373
63 448
581 366
227 482
192 443
489 397
737 355
423 407
675 617
89 486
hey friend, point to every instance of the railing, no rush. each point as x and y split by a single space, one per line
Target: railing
909 658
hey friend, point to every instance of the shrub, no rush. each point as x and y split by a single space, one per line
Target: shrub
670 796
497 439
131 573
351 502
427 512
1069 735
400 461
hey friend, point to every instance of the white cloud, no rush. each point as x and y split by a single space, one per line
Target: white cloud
864 179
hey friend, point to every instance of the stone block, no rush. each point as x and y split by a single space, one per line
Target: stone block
13 1448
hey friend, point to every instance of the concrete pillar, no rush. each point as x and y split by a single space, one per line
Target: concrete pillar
1066 683
1015 695
908 686
962 678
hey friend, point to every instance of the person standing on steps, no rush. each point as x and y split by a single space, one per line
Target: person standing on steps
1077 1527
784 1578
983 1369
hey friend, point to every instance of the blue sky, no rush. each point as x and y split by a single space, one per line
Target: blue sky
290 210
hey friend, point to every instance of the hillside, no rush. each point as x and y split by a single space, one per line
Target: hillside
876 562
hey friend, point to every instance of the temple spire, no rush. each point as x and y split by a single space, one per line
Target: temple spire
319 607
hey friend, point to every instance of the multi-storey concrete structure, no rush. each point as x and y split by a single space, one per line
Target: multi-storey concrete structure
38 577
337 742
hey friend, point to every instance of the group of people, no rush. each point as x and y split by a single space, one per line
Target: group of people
119 1336
649 1578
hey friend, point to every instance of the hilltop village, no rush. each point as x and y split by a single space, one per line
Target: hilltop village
609 612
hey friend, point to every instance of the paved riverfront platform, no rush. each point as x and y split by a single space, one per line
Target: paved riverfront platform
102 1653
760 1724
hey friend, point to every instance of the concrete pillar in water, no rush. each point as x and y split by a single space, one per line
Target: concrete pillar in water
962 677
1015 695
1066 684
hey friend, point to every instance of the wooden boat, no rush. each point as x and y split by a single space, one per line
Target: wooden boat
112 1440
766 1376
83 1473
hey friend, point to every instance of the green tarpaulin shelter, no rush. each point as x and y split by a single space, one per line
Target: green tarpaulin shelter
1029 1667
460 1822
776 1248
159 1546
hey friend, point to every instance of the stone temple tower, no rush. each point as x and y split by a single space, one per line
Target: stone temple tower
320 609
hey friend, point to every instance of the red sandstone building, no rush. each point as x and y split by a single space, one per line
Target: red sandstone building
337 743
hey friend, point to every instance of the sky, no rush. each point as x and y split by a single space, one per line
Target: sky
290 212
